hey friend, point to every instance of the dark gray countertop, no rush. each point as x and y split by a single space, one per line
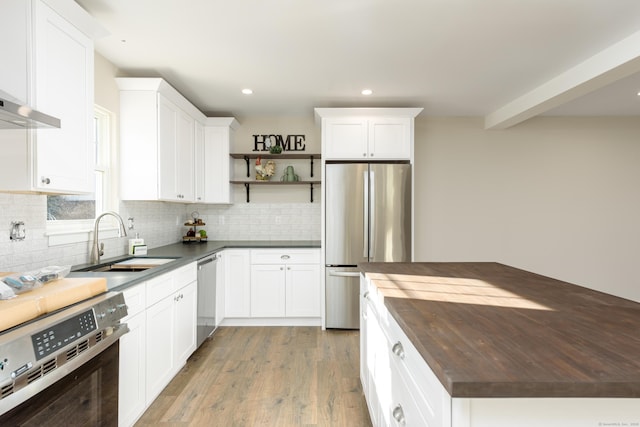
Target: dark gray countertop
184 253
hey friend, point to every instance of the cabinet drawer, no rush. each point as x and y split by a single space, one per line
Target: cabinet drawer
285 256
404 409
185 275
425 387
159 288
135 298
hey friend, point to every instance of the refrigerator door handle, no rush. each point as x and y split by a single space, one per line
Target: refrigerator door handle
344 273
365 214
372 216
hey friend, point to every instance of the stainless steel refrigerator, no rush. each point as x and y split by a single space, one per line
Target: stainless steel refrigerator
367 219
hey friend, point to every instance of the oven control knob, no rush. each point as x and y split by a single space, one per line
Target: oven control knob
100 315
111 310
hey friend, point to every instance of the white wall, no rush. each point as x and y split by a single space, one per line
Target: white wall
557 196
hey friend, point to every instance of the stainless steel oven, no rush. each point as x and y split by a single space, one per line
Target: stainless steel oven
62 369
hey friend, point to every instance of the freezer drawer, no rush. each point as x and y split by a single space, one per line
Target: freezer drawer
342 297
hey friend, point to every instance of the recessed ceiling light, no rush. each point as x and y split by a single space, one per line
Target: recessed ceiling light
366 92
247 91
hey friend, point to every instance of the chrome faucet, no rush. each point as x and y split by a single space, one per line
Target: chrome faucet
98 249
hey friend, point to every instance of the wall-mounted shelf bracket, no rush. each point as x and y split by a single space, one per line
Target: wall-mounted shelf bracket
246 159
247 186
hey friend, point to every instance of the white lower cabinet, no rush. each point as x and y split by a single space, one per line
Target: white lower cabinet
237 284
285 283
132 379
162 335
267 291
272 287
160 327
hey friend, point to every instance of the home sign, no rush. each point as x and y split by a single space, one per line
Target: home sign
291 143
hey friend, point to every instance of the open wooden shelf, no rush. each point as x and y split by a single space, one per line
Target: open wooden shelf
248 184
266 155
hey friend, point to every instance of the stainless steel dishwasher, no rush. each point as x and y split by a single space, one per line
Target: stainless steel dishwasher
207 270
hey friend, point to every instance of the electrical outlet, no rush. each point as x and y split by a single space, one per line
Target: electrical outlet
177 220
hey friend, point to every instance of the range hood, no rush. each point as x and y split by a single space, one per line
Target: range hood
15 116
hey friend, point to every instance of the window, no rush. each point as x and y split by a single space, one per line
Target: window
68 214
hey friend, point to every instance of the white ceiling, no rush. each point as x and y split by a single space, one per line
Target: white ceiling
506 60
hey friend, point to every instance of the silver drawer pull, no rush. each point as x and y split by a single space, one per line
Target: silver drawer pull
365 295
398 415
285 257
398 350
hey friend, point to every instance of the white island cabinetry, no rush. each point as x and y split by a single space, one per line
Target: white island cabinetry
402 390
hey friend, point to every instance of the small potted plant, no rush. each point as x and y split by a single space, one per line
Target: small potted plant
275 149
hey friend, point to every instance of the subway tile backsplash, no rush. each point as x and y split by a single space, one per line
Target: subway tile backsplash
159 223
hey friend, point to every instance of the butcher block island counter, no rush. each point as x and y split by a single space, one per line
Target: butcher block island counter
485 344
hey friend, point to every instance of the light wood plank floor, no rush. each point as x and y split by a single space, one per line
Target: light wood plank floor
267 376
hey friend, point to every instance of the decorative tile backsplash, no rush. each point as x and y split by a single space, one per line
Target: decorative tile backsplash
159 223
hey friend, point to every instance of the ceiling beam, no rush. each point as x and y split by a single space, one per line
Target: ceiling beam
614 63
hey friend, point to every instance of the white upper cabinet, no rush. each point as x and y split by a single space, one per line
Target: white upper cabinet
49 66
367 133
168 149
213 162
157 141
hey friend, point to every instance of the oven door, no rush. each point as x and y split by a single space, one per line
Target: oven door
86 396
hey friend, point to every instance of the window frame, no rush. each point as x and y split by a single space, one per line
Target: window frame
62 232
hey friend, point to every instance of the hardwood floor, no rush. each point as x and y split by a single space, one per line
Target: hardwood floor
267 376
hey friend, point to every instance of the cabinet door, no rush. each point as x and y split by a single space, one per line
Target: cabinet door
217 168
185 171
167 137
237 283
200 163
389 138
345 139
186 305
303 290
160 330
14 26
267 290
64 89
131 385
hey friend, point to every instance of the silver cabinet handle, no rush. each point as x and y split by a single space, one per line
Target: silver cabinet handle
285 257
365 295
398 415
281 268
398 350
45 180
